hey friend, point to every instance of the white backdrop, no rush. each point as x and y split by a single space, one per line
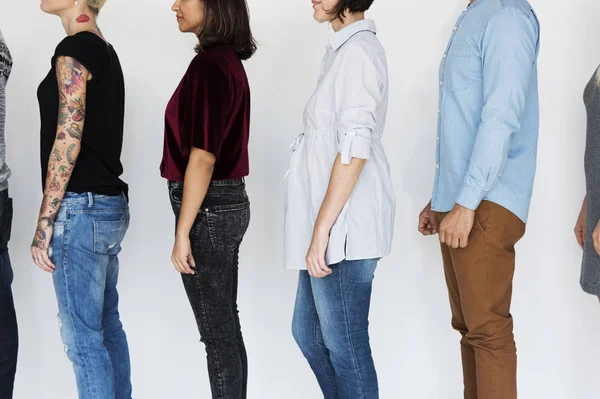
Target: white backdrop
416 352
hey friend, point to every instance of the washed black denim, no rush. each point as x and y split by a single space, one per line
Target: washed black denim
9 338
216 237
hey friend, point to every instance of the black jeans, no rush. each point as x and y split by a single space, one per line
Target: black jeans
216 237
9 339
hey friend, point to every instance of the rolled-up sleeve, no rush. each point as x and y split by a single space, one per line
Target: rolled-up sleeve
357 95
509 53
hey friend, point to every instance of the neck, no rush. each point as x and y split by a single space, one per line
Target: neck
349 18
81 22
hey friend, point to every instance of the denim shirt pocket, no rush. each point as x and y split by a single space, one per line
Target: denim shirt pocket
457 68
109 234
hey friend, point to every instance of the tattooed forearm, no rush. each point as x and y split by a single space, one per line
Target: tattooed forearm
70 158
72 78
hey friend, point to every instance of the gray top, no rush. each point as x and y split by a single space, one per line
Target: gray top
590 276
5 69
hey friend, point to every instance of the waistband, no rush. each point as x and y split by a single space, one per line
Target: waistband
89 198
214 183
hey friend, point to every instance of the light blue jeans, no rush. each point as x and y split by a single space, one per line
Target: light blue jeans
331 327
87 238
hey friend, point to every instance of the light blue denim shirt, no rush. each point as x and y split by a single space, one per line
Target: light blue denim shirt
488 117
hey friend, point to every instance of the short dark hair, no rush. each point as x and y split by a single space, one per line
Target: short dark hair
227 22
351 6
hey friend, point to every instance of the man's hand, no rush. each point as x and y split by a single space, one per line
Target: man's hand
456 227
428 221
596 237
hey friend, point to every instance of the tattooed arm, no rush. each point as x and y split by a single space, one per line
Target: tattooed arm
72 80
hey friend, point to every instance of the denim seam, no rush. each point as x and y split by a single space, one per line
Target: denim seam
331 380
65 247
360 379
220 392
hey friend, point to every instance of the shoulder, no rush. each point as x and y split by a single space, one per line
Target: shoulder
206 65
516 5
506 9
85 47
365 47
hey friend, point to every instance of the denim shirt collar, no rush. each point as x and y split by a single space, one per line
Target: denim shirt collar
339 38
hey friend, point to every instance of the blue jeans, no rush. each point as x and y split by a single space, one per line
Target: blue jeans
331 327
87 238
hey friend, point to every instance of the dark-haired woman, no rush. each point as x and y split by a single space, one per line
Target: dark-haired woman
205 160
340 204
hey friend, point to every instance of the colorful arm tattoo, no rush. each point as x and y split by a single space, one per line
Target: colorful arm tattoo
72 83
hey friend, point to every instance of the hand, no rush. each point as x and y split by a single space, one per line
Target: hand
41 244
428 221
315 258
581 225
182 255
596 237
456 227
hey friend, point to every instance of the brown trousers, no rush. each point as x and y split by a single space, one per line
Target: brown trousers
479 279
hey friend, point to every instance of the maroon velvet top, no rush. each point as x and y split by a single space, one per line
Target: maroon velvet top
209 110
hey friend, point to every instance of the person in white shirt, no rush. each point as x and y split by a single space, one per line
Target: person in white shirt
340 204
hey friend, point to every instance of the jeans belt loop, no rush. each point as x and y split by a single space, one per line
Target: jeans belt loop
90 200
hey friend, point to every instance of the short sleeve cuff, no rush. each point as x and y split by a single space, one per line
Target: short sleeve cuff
355 144
470 197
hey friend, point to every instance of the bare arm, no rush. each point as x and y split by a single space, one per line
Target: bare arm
72 82
341 184
198 175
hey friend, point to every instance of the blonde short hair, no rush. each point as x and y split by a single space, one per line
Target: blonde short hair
95 5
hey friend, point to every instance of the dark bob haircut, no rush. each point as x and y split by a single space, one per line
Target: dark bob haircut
227 22
351 6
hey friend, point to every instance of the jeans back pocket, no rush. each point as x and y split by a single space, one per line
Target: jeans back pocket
227 225
109 234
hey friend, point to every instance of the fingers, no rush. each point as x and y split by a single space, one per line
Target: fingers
323 266
315 269
424 224
45 258
39 261
454 242
182 265
192 261
580 237
596 237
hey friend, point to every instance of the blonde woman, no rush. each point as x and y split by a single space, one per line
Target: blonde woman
84 214
587 229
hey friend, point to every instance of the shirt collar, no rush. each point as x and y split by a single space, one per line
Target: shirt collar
339 38
475 4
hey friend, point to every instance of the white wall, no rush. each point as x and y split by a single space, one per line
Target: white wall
416 352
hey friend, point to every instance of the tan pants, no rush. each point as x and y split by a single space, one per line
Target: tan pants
479 279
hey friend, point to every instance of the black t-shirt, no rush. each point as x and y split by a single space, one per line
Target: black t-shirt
99 165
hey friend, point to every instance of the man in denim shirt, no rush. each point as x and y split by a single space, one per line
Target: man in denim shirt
485 167
8 321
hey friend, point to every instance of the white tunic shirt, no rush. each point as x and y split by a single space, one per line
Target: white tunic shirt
345 115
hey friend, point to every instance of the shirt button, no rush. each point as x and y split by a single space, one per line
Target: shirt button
444 55
438 138
456 27
437 166
441 83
